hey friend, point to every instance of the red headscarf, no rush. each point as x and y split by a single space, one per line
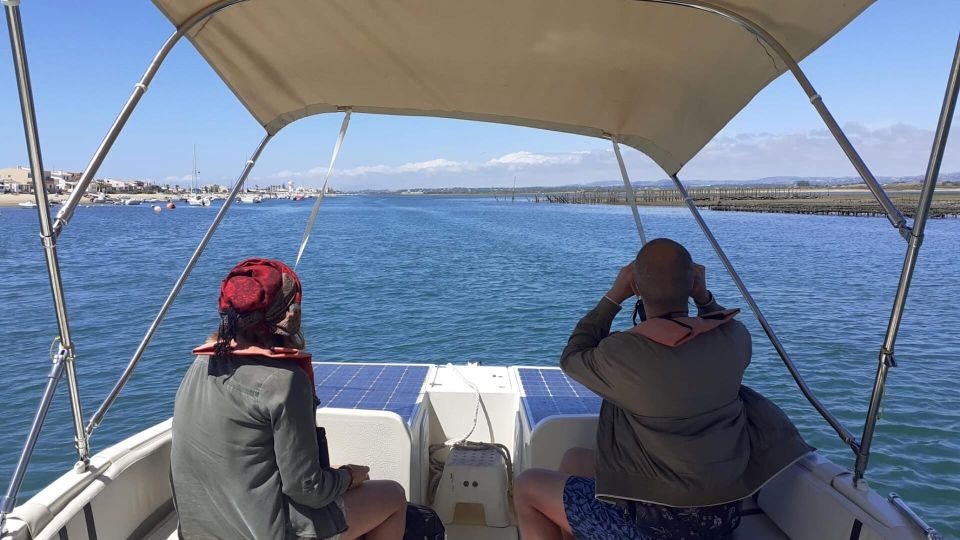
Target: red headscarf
262 295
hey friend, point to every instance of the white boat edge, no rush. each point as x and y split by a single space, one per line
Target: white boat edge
126 491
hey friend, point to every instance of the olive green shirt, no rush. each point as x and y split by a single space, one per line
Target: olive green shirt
244 457
676 426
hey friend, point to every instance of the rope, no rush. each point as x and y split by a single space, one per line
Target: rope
631 198
326 178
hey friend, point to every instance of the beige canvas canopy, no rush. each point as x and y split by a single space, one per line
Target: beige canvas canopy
661 78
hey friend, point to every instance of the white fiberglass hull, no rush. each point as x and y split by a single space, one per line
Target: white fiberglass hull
126 492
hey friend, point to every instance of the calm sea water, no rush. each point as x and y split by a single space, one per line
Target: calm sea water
460 279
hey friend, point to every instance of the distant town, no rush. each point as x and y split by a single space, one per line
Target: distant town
19 180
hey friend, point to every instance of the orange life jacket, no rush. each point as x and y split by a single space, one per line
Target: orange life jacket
679 330
302 358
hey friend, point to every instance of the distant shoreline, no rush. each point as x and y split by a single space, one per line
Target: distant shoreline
842 200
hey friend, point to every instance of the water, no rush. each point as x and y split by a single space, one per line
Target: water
461 279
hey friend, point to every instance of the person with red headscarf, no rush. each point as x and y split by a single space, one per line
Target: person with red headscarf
244 459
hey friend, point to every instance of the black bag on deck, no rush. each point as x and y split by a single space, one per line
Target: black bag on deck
324 449
423 524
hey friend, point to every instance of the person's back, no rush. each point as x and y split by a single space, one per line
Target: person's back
674 409
679 440
225 453
245 462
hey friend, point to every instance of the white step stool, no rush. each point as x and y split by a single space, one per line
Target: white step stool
477 476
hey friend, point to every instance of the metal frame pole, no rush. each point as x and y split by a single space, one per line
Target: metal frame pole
631 197
323 190
845 435
47 238
886 360
66 212
16 482
128 371
894 215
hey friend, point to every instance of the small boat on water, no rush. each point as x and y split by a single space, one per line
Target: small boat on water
198 200
131 201
27 204
552 67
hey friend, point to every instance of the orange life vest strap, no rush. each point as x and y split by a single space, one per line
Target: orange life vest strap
280 353
677 331
302 358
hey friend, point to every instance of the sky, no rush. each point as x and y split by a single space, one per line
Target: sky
883 78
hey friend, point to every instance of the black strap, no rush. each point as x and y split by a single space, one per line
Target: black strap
855 530
91 525
63 533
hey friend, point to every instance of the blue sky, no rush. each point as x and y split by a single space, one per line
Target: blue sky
883 78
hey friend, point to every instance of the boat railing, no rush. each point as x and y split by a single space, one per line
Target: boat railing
64 360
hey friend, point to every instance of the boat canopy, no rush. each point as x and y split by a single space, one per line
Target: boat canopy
661 78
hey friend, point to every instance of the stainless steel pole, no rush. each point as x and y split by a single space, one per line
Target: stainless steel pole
66 212
843 432
128 372
16 482
886 360
631 197
47 238
894 215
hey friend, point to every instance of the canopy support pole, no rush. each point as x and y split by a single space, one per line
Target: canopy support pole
631 196
886 360
844 434
128 372
16 482
76 196
894 215
47 238
323 191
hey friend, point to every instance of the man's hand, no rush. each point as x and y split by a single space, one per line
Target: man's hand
699 292
358 474
624 286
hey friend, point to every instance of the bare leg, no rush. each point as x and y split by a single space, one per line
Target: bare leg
377 510
579 462
538 498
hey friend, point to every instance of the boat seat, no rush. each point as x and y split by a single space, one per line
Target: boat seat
758 527
125 493
377 439
165 530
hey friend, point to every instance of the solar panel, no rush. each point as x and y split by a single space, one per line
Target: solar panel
549 392
380 387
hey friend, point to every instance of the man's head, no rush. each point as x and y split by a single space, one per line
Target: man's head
663 273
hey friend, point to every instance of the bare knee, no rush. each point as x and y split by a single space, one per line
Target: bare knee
528 486
578 462
393 494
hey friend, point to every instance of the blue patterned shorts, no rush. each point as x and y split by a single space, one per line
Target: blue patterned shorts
593 519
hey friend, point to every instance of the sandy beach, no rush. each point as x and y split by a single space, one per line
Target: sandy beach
10 199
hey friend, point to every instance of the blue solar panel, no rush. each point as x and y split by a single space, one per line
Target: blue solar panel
378 387
549 392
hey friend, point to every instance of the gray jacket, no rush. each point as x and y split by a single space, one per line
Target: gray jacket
676 426
244 461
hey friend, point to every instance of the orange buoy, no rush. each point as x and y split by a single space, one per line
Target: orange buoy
170 205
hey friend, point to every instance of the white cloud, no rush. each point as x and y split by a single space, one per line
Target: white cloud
184 178
522 158
895 150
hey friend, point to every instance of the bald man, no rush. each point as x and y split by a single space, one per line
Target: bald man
679 440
